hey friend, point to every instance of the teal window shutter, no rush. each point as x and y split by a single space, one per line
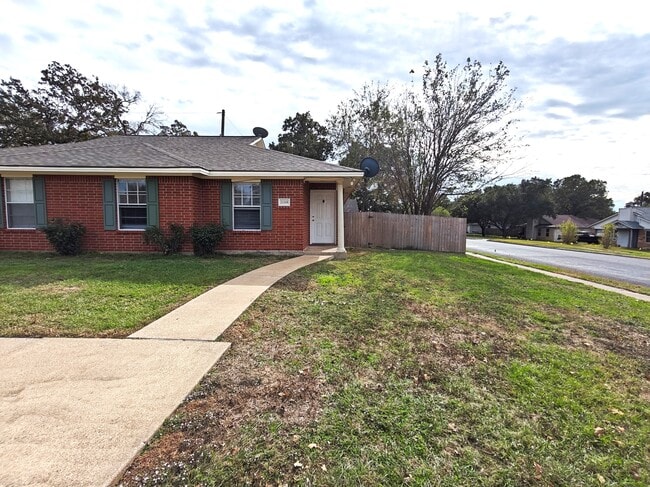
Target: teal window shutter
153 213
226 204
267 206
39 201
110 216
2 205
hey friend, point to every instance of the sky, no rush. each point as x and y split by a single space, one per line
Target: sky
580 69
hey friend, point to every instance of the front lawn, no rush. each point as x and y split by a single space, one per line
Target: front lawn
416 368
102 295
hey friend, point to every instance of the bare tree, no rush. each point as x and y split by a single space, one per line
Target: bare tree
362 127
445 139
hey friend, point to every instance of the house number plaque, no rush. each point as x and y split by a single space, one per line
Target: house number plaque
284 201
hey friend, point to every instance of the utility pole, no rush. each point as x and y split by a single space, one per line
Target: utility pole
223 120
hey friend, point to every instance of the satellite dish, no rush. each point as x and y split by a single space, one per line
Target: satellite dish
260 132
369 166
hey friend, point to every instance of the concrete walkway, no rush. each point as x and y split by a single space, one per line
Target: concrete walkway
75 411
207 316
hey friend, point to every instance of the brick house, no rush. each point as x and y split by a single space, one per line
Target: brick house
549 227
117 186
632 226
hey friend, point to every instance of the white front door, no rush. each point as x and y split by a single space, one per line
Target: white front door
322 217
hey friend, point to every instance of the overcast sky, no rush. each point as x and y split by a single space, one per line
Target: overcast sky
582 72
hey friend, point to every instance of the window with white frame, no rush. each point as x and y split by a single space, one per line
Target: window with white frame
132 204
19 193
246 206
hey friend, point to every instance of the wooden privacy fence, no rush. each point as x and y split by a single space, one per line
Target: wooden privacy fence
415 232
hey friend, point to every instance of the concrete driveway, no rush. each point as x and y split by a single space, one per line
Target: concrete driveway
626 269
76 411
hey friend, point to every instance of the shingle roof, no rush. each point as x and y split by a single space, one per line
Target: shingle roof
632 225
155 152
560 219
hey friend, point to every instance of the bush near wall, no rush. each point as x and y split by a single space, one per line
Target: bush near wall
172 243
569 232
65 237
205 238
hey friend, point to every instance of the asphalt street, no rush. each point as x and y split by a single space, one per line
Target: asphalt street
627 269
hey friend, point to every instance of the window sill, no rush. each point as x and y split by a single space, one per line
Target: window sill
247 230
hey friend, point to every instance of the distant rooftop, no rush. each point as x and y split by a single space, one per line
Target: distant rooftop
558 220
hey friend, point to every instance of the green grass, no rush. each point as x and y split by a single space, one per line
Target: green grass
578 247
567 272
414 368
103 295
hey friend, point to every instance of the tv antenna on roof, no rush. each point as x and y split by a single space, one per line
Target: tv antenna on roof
223 120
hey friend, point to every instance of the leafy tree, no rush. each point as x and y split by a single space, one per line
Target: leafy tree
361 128
304 136
66 107
569 232
574 195
609 235
176 129
442 140
506 207
476 208
441 211
537 197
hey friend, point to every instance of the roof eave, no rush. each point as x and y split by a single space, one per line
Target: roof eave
178 171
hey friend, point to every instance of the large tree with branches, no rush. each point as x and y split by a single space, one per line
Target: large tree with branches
304 136
67 107
448 137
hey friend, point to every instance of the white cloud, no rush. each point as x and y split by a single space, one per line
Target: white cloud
580 68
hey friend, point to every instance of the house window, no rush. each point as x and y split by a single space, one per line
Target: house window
21 212
548 232
539 232
132 204
647 236
246 206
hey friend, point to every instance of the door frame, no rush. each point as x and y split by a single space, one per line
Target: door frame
331 193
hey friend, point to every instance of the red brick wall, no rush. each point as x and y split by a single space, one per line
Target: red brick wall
642 243
184 200
290 227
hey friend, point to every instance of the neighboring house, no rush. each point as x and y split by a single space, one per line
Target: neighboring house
475 228
632 227
117 186
548 227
